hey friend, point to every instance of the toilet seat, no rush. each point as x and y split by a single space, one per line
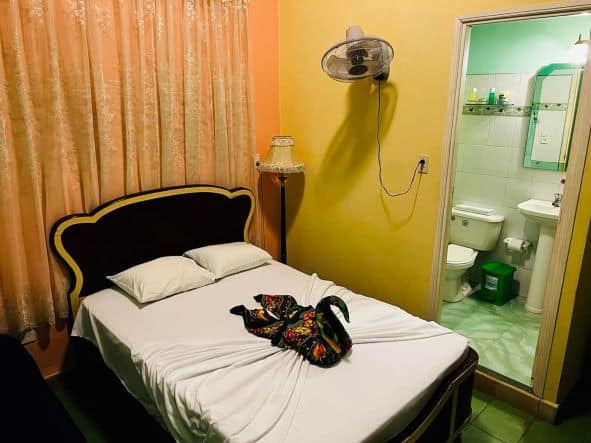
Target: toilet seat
460 256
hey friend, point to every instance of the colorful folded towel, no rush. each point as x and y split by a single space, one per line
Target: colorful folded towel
315 333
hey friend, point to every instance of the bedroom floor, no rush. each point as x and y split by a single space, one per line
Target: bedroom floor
505 337
496 422
106 413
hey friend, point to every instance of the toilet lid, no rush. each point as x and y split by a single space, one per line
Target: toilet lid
457 254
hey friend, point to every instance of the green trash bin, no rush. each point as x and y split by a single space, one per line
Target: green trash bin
497 282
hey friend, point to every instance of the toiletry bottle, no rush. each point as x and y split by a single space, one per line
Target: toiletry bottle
473 96
492 97
504 98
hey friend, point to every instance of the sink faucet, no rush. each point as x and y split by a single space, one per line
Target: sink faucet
557 200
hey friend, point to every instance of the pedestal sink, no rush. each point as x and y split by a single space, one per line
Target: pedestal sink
544 214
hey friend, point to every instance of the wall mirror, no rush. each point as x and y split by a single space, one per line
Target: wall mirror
556 90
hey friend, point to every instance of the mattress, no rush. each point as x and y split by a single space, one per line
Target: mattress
372 394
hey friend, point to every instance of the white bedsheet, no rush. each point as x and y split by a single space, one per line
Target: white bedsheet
396 362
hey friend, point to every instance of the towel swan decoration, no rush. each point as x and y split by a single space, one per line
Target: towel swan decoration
316 333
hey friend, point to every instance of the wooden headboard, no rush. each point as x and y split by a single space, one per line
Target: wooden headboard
140 227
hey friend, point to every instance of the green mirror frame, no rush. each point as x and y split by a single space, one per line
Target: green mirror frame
574 70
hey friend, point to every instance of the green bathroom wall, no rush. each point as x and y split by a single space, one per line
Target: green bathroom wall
499 47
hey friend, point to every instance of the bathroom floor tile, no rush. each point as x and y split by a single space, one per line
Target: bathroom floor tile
503 421
505 336
504 358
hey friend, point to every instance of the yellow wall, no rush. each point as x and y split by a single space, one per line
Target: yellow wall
573 325
339 224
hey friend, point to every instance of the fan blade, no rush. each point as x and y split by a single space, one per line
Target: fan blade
369 45
373 67
337 65
381 52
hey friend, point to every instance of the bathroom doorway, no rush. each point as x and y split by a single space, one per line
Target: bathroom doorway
518 135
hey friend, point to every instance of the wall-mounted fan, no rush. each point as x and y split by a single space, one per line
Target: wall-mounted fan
358 56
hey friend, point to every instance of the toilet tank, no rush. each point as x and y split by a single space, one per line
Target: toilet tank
475 227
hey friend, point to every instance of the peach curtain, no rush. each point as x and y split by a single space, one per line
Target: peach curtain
100 98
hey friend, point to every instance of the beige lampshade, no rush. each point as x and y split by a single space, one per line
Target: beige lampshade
281 158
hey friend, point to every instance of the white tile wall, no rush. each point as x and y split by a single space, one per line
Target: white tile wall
518 87
516 191
500 132
507 83
473 130
520 129
541 190
525 93
495 160
490 172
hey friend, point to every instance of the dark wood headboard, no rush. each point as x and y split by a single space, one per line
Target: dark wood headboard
140 227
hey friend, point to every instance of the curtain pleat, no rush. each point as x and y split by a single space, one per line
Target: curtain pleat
101 98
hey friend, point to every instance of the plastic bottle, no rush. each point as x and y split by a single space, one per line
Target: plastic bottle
473 96
492 97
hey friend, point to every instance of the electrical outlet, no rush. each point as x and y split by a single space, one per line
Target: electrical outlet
424 168
257 160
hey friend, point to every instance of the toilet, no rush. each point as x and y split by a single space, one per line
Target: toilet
472 229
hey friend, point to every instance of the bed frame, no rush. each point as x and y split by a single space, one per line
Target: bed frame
141 227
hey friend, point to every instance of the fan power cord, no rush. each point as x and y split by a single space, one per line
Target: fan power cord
420 164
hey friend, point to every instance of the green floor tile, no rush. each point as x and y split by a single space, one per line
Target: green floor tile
479 402
508 361
503 421
505 336
568 432
475 435
104 411
91 429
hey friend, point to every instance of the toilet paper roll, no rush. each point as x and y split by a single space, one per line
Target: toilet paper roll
515 244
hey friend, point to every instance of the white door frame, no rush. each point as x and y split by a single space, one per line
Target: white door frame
574 175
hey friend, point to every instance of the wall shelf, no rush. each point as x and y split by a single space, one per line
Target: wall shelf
550 106
499 110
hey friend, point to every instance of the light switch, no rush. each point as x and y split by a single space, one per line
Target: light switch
544 139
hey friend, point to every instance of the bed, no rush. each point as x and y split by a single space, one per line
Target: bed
414 388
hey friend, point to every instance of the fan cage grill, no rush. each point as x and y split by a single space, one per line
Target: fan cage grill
379 56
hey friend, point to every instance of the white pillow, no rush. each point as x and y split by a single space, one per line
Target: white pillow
229 258
161 277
